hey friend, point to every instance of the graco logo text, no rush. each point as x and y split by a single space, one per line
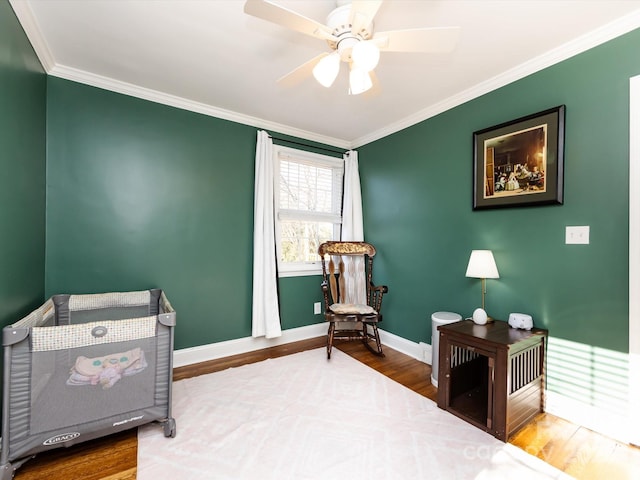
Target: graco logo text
63 437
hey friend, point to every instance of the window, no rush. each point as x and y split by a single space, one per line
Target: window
308 195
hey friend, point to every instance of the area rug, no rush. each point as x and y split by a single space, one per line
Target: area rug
301 417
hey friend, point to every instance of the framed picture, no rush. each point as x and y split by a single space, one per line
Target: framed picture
520 163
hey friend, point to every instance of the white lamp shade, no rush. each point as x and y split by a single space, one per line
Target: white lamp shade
326 70
365 55
482 265
359 81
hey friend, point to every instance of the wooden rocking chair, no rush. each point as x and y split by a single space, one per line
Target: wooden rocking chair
351 301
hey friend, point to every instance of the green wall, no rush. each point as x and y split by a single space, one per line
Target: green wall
417 189
22 163
142 195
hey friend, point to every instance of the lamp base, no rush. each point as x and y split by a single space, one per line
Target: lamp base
490 319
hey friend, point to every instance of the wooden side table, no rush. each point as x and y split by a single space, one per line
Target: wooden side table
492 375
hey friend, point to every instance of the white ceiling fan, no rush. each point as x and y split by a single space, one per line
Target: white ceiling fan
350 34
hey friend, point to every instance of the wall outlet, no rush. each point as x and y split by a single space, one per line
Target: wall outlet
317 308
425 349
577 235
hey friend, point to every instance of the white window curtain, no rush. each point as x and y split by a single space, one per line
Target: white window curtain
265 310
352 227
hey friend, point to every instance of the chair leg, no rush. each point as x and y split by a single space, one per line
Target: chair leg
332 329
378 342
375 335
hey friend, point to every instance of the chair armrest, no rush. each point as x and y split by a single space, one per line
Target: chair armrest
379 288
376 296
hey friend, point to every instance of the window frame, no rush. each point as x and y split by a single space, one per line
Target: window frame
336 164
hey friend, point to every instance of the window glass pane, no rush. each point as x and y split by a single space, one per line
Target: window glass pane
299 240
306 187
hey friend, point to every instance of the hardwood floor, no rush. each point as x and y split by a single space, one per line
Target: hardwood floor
575 450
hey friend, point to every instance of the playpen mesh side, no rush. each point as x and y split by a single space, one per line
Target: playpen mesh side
57 382
69 365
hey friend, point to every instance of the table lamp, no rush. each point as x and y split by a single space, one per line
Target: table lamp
483 266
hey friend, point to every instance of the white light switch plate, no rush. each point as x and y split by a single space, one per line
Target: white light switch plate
577 235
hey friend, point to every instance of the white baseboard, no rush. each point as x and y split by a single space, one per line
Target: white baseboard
419 351
604 422
212 351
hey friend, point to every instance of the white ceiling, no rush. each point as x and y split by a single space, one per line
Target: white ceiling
209 56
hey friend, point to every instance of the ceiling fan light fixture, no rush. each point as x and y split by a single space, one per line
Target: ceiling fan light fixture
365 55
326 70
349 32
359 81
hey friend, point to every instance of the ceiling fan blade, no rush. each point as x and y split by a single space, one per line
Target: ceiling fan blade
430 40
362 13
300 73
271 12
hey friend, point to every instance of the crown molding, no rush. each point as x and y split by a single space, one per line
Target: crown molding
106 83
592 39
27 19
601 35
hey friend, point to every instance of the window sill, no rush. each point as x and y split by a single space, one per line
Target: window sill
301 272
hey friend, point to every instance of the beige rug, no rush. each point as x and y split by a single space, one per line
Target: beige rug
302 417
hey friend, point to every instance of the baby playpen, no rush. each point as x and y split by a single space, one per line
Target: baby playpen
84 366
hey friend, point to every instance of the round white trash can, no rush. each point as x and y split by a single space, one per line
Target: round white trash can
437 319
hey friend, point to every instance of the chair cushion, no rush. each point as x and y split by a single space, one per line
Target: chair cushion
351 308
